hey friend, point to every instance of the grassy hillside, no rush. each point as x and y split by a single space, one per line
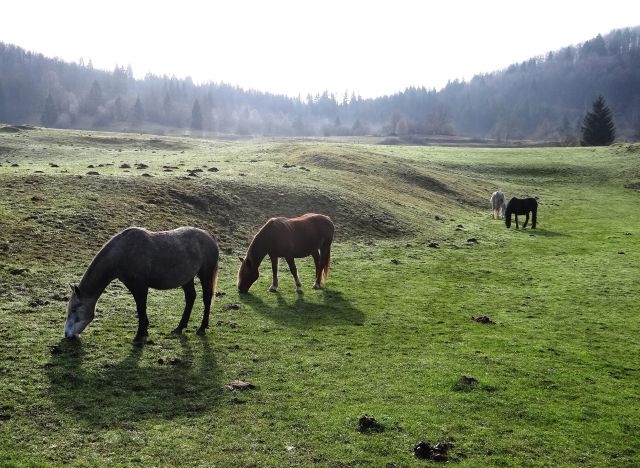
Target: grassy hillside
557 374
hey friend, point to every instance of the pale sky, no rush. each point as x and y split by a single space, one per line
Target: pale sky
297 47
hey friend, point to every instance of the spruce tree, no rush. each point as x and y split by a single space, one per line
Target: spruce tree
3 104
138 111
597 127
94 99
196 116
50 113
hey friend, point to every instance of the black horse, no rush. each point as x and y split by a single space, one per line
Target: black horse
521 206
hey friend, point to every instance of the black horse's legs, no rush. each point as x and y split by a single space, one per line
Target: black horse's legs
517 227
189 298
140 295
294 272
274 270
316 260
526 220
533 217
207 297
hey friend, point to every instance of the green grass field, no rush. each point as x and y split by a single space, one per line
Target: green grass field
390 336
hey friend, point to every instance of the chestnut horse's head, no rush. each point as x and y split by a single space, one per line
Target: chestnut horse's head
247 275
80 312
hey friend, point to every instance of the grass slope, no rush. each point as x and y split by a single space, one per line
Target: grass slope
558 374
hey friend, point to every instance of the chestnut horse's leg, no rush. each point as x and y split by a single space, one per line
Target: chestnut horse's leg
526 220
206 282
189 298
316 260
274 270
140 295
294 272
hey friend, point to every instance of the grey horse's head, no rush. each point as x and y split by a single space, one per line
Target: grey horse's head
80 312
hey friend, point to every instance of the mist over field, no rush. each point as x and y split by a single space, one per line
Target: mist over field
544 98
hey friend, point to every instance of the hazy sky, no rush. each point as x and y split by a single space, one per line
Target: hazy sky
293 47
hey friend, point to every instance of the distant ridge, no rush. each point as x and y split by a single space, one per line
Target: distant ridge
542 98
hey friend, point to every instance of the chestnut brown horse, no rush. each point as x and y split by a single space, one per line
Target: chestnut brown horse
291 238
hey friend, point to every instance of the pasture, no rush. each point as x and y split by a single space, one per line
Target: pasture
416 255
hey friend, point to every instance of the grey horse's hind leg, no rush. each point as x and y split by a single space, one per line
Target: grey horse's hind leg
207 296
189 298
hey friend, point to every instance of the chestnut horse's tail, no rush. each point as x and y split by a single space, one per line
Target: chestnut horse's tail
325 261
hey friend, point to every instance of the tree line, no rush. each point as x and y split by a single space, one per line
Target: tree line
544 97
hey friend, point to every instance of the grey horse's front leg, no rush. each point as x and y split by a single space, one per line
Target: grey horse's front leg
140 296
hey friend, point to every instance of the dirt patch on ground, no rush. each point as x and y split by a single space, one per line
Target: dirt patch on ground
368 424
483 319
438 452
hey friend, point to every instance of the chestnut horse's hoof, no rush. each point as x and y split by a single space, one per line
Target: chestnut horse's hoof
201 332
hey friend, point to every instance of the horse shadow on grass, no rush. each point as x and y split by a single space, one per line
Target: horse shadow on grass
109 395
544 232
306 311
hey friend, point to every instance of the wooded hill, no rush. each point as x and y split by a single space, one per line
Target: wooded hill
545 97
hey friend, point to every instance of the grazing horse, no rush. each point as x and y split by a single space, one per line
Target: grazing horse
309 234
521 206
498 205
144 259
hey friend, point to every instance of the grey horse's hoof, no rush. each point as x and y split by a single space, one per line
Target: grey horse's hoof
299 291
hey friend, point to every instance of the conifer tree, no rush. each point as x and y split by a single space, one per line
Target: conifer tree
138 111
50 113
597 127
196 116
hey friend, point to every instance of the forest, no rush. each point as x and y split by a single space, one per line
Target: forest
543 98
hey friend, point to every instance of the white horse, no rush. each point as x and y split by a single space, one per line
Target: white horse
498 204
